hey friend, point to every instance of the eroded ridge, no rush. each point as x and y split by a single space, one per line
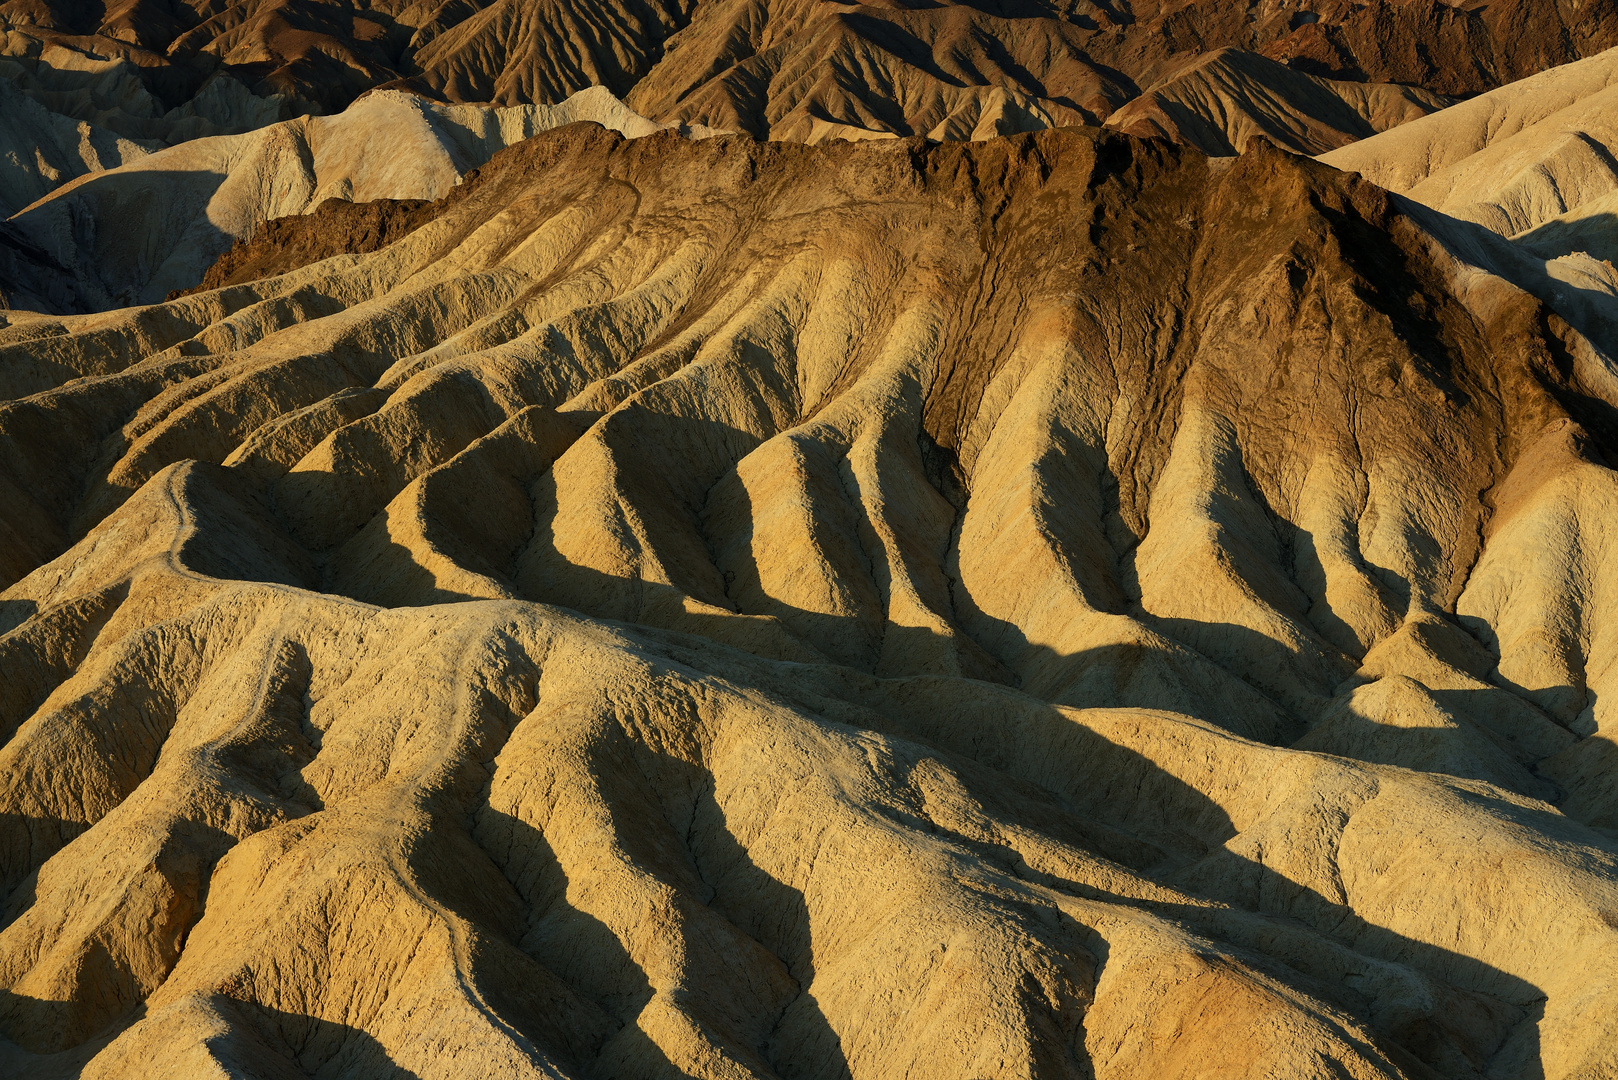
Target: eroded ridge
1054 606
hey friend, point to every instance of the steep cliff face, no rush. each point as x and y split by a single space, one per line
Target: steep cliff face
1048 607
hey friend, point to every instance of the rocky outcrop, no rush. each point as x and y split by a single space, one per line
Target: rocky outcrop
1045 607
335 227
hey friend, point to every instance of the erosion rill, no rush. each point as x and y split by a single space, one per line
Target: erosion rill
1056 606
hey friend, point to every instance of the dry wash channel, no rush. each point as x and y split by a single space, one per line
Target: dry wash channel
1050 607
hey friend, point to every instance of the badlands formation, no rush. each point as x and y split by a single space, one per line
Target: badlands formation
135 233
1533 161
786 540
140 140
803 70
1056 606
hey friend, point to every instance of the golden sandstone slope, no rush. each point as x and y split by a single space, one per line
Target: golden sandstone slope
1048 607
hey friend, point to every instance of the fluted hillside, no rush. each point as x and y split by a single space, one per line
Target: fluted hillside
136 232
1047 607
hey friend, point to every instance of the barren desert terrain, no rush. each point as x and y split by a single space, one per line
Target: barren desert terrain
576 562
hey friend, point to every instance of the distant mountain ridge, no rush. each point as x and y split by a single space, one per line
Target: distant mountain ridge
777 67
93 90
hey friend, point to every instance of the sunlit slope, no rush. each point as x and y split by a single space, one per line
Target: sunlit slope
1043 607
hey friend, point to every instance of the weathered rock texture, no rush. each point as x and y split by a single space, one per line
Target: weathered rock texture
1047 607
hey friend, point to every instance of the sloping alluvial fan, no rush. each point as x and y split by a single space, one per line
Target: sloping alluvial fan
1047 607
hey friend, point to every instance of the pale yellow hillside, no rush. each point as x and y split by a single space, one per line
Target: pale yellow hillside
1513 159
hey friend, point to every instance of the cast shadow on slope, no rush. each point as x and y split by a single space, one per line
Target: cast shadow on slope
591 958
1578 298
166 238
259 1043
1595 235
497 511
491 508
1483 1015
774 914
1190 801
488 522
